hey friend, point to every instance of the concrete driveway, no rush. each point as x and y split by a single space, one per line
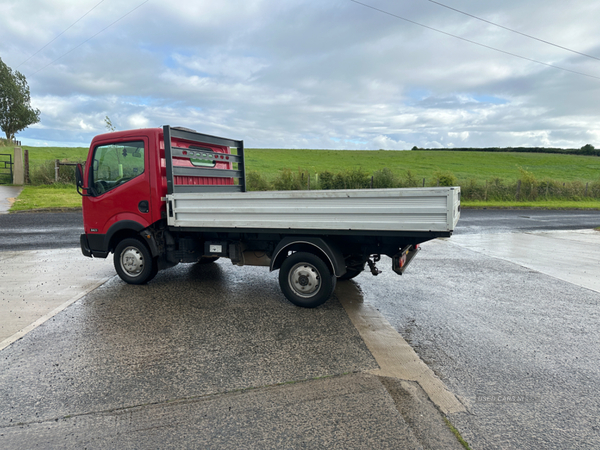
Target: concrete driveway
203 357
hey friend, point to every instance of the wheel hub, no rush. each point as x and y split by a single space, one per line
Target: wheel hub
305 280
132 261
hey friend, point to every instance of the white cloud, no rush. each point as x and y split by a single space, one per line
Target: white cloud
302 74
138 121
463 135
222 66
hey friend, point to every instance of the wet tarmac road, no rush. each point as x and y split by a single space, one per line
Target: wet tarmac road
40 231
519 348
484 221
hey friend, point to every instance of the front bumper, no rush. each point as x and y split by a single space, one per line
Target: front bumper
94 246
85 246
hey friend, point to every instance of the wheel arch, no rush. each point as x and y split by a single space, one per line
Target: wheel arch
122 230
328 252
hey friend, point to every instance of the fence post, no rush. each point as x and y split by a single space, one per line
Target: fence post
586 189
18 178
56 169
26 166
423 182
518 190
371 182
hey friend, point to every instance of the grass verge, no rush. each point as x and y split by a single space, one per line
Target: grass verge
48 197
539 204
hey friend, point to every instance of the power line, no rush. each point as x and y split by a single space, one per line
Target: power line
515 31
92 37
474 42
67 29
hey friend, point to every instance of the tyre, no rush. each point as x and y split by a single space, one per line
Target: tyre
133 262
306 280
207 259
351 272
154 269
355 264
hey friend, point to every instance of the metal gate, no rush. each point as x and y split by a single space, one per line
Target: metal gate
6 168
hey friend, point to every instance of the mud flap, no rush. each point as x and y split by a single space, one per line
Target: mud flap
402 259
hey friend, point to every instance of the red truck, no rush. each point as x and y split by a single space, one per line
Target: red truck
162 196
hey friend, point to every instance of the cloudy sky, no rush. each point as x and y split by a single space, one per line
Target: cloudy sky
312 74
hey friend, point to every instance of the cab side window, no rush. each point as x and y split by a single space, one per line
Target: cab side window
116 164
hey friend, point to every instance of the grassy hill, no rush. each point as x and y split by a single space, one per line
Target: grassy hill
486 178
478 166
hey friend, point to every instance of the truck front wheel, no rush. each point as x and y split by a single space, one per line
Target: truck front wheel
133 261
306 280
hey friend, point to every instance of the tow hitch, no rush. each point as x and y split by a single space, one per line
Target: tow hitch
374 270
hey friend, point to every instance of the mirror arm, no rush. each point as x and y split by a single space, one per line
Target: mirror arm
79 182
82 193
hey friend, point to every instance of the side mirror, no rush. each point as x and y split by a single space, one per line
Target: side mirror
79 175
79 181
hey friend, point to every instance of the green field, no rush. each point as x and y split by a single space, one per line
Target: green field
478 166
475 172
39 155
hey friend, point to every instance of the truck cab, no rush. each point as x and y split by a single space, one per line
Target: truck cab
126 179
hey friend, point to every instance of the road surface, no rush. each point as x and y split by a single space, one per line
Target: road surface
518 345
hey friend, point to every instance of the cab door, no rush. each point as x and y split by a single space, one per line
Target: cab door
119 185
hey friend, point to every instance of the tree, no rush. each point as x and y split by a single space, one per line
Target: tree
16 112
109 126
588 149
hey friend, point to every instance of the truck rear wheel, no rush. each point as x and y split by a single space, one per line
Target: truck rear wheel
306 280
133 261
352 272
355 264
207 259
